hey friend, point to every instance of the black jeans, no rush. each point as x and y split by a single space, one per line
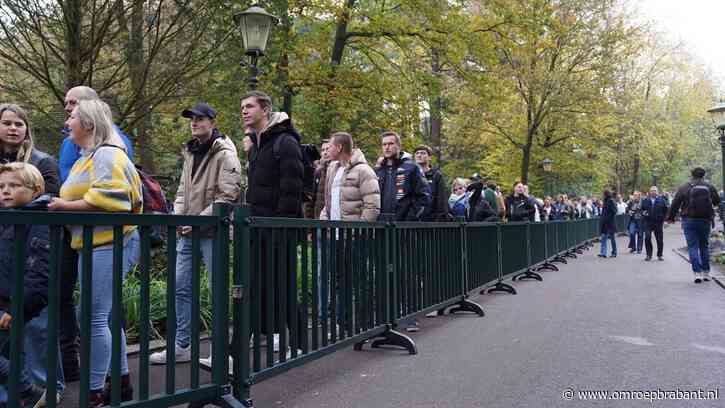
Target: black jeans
69 329
649 228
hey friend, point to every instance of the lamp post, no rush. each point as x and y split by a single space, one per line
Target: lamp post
717 113
655 171
547 165
254 24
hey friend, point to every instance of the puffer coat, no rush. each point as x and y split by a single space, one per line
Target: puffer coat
359 193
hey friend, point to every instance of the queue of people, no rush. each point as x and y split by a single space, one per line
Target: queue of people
95 173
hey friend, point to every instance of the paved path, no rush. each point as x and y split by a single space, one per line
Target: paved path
597 324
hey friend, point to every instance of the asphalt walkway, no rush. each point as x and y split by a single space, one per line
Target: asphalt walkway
608 325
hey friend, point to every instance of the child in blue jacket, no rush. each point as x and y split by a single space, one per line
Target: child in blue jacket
22 188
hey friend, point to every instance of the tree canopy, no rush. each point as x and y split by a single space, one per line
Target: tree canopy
493 86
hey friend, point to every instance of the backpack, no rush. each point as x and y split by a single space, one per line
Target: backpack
699 204
484 212
154 202
310 154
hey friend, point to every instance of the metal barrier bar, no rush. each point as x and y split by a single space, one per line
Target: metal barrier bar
55 236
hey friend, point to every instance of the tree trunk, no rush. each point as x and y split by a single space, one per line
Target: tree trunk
136 68
436 108
74 45
338 50
283 67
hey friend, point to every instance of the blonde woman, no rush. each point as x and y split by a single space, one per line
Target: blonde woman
103 179
16 145
458 201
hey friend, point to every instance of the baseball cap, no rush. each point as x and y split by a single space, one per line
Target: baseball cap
201 109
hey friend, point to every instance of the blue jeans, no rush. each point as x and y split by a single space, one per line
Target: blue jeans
102 304
635 235
603 244
697 235
23 377
183 284
36 351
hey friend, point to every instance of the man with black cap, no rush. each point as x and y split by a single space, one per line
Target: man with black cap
211 174
695 201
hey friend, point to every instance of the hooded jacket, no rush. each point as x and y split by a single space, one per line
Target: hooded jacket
359 192
37 257
275 183
217 179
404 190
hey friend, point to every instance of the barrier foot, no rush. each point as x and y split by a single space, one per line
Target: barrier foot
396 339
559 259
547 266
228 401
570 254
499 287
528 274
466 305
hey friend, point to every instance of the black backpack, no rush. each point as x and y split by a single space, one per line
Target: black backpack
699 204
310 154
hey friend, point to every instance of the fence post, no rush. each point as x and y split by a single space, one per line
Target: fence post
241 305
499 286
528 273
220 306
465 305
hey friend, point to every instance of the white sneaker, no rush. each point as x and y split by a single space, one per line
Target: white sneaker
698 277
182 355
41 402
207 363
706 276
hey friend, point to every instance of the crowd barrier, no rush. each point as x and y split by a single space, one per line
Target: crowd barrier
312 287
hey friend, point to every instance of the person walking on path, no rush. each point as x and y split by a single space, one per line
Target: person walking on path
607 225
695 201
654 211
634 209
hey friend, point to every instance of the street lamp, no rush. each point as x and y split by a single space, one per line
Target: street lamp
717 113
254 24
547 164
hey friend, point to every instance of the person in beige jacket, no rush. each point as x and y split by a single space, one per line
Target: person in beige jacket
211 174
352 192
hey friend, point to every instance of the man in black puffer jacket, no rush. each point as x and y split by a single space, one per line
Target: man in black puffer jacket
404 191
275 161
275 181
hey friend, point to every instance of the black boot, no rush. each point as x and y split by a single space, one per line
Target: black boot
126 389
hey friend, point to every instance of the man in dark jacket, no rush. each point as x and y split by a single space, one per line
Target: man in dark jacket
314 208
692 201
404 190
438 209
275 187
275 161
654 211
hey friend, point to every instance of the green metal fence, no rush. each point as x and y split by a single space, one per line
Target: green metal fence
311 287
217 390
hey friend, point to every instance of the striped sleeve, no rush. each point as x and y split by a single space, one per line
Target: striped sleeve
111 184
